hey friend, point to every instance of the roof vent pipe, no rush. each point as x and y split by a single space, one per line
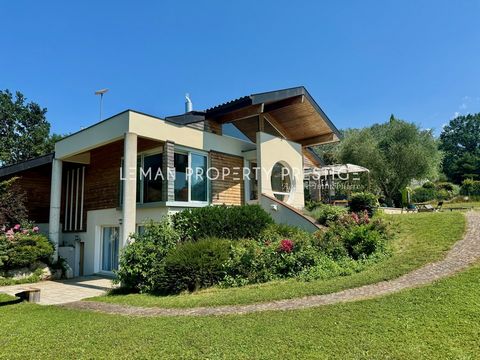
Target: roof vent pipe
188 103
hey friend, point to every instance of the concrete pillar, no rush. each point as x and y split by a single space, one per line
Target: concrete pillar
54 227
129 207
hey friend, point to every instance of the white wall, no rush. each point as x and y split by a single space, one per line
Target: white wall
270 150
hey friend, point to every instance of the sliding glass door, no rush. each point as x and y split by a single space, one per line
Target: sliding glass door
110 248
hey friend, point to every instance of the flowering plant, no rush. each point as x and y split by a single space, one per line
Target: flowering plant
286 246
27 229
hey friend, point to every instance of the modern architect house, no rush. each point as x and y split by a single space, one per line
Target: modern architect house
103 182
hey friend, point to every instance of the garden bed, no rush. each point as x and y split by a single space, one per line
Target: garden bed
421 238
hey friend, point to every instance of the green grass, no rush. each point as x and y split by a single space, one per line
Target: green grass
438 321
472 204
421 238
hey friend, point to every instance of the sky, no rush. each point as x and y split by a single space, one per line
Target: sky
360 60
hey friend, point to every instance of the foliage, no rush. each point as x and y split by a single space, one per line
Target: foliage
194 265
422 194
227 222
470 187
327 213
35 277
24 130
460 141
141 261
23 247
395 152
363 201
355 236
435 191
12 203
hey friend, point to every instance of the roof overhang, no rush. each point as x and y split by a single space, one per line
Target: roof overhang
26 165
291 113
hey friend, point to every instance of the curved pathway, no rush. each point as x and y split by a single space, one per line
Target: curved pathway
464 253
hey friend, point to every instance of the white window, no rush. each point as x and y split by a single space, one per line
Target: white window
281 182
191 183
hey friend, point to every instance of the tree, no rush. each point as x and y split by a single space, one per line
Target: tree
460 142
12 203
24 130
395 153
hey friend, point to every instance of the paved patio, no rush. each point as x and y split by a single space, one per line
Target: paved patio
65 291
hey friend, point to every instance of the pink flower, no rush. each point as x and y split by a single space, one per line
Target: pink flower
24 231
286 245
355 218
36 229
16 227
366 219
10 234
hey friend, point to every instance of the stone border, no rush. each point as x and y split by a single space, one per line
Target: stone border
464 253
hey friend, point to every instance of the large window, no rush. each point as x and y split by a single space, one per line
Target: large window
149 178
190 177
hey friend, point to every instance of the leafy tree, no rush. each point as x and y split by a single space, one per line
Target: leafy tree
24 130
395 152
460 142
12 203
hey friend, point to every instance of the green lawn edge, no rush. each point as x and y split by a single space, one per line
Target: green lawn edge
420 239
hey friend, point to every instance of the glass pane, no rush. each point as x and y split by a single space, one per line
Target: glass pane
110 247
152 178
181 181
280 179
199 180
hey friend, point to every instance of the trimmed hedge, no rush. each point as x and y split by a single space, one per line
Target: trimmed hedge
194 265
227 222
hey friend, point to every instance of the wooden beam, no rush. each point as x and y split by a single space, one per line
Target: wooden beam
284 103
261 123
239 114
318 140
279 127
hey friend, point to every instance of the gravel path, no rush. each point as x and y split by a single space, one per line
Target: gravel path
463 254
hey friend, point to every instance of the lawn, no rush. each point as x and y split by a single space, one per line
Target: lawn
438 321
472 204
421 238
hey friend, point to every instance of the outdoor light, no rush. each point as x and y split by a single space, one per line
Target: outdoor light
101 92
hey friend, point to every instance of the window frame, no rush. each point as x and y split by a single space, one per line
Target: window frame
188 151
141 183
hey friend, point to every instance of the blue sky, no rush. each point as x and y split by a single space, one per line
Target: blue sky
361 60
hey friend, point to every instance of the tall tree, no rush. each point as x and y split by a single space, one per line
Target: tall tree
395 152
460 142
24 129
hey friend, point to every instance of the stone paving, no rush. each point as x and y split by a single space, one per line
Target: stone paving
64 291
463 254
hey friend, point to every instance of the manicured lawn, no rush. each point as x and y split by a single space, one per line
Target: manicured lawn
438 321
421 238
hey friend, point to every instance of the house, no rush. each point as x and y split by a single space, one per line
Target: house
100 185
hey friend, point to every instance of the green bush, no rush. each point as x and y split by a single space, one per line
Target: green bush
359 202
470 187
227 222
141 261
12 203
422 194
428 185
194 265
22 250
327 213
355 236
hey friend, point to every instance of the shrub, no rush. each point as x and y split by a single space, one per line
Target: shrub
470 187
354 236
428 185
327 213
194 265
141 260
12 203
228 222
422 194
359 202
23 247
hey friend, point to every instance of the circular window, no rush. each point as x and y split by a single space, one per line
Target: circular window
281 182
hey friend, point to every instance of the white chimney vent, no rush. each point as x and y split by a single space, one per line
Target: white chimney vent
188 103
